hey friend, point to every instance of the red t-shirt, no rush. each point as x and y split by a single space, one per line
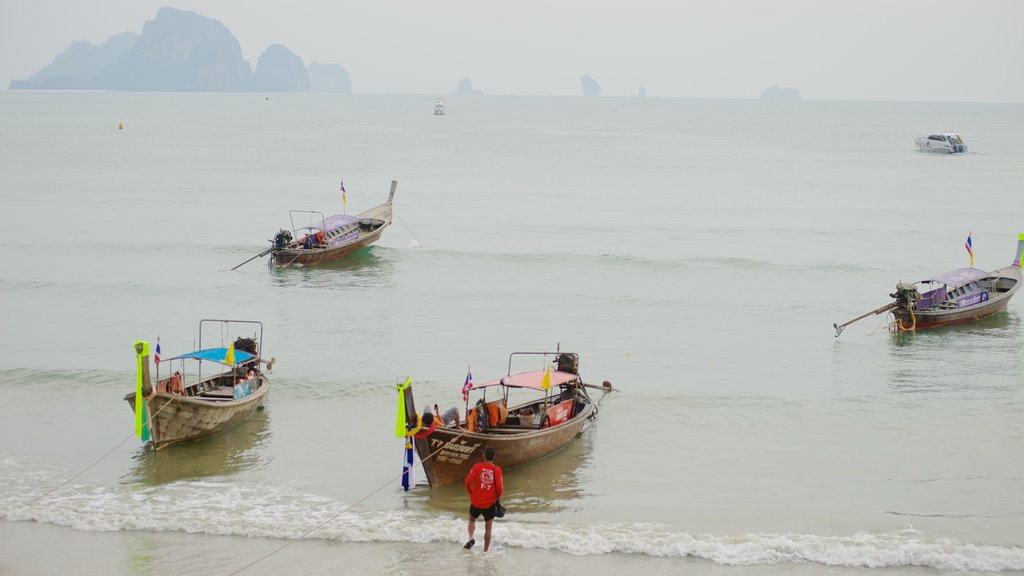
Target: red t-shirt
484 485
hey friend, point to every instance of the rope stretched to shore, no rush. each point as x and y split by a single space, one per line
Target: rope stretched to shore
100 459
335 517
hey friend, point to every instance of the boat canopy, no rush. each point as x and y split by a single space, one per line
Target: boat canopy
332 222
530 380
958 278
216 355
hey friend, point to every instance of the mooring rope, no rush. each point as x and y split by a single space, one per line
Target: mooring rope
407 228
100 459
347 508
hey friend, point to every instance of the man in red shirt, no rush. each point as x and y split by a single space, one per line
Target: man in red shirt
484 485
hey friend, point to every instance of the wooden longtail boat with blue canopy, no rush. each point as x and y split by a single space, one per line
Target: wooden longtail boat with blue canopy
520 434
331 237
963 295
203 392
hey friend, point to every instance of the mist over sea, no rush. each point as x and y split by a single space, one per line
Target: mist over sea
695 253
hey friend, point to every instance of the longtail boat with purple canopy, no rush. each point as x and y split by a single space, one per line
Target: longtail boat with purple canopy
963 295
520 431
189 400
326 238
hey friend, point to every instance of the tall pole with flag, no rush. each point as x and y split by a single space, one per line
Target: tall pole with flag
344 200
970 248
141 352
402 430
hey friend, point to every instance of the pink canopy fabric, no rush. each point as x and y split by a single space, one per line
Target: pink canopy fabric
530 380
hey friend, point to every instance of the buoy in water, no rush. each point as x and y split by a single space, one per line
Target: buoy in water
120 125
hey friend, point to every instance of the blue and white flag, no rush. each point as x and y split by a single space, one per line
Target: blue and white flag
408 465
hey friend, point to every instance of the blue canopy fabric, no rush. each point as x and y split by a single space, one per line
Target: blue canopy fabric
216 355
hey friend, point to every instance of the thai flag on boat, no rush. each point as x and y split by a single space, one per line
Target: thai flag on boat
156 357
969 245
467 385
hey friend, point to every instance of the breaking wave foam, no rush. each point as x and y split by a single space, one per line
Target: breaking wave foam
232 508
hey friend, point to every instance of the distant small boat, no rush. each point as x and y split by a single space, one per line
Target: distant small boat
521 434
439 107
331 237
955 297
946 143
181 411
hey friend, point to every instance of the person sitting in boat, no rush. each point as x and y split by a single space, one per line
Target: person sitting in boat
450 418
244 386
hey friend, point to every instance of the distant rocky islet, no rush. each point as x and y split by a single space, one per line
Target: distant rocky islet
182 51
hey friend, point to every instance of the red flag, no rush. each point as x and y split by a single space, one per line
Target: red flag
467 385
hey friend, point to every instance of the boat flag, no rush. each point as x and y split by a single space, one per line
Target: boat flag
467 385
156 356
1020 252
408 465
229 356
344 200
546 382
969 245
141 351
401 420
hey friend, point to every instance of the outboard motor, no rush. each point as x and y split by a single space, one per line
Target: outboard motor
246 345
568 363
906 295
282 239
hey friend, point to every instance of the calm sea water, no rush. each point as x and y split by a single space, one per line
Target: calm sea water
695 253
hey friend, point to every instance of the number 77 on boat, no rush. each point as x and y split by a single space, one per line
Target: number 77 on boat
553 409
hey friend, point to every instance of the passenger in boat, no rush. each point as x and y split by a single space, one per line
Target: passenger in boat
450 418
485 487
176 385
244 386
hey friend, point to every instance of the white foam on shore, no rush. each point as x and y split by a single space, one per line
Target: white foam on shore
232 508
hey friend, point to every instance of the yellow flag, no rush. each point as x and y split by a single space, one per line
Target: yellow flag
546 382
229 356
400 424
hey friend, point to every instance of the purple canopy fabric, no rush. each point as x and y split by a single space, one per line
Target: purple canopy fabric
332 222
958 278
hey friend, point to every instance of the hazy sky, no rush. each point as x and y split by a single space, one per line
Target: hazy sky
959 50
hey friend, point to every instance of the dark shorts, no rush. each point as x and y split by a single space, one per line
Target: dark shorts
488 512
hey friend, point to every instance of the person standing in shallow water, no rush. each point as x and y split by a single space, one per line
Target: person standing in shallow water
484 485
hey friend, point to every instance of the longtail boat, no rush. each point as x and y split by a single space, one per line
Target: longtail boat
190 402
963 295
330 237
520 434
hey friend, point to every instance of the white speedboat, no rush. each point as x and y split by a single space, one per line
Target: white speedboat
439 107
946 143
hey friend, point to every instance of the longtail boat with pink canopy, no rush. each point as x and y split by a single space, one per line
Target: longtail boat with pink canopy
963 295
505 413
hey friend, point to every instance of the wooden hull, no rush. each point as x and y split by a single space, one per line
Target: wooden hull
448 454
375 220
319 256
176 419
934 318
